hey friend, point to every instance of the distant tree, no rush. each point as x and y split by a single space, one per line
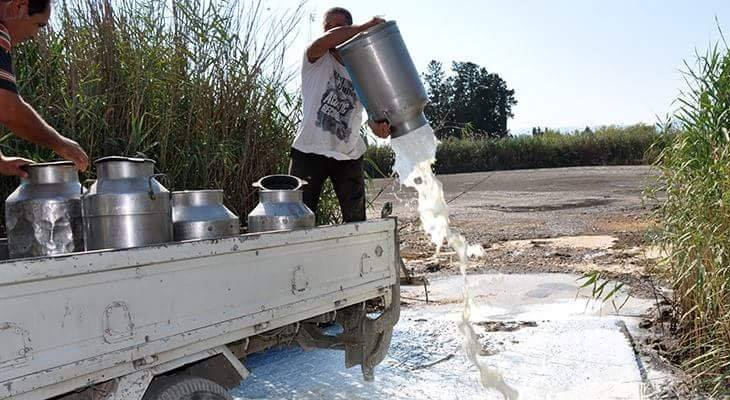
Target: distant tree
438 107
470 95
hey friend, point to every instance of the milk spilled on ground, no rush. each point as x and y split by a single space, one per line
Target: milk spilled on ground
415 152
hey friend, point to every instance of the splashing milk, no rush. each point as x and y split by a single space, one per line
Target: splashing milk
414 155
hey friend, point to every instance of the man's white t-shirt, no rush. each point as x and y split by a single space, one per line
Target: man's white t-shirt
332 113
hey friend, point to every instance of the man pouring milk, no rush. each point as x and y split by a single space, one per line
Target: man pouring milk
328 142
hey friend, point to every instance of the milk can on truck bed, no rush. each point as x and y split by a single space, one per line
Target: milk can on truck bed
126 206
280 205
200 214
43 215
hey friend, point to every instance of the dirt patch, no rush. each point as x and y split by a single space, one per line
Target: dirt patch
598 242
623 224
658 342
615 257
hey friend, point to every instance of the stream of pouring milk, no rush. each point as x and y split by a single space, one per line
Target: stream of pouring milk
415 152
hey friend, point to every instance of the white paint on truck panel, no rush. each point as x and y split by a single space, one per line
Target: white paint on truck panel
99 311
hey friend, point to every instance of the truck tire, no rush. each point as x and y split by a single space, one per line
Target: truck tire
185 388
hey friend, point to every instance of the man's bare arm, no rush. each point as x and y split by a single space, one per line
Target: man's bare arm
20 118
337 36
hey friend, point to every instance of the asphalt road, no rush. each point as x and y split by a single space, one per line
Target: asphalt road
540 203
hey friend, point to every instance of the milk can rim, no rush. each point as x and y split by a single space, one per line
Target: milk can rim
125 159
354 41
50 164
183 194
188 191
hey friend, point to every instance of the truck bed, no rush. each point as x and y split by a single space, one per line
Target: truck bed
71 321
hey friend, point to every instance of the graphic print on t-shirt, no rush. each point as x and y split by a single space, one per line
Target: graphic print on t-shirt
335 109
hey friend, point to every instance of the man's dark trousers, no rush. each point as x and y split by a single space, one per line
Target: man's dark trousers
348 180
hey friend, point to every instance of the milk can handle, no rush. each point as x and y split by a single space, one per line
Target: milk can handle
89 181
302 182
149 182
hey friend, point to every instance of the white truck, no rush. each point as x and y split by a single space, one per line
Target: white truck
174 321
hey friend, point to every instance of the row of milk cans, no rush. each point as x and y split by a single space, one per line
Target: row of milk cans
51 212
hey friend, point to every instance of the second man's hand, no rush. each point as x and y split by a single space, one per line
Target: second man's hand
375 21
72 151
13 166
380 129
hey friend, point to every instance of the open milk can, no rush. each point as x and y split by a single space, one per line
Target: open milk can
281 205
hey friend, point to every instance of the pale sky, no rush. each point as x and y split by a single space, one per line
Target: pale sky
571 63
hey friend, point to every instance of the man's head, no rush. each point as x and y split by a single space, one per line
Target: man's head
336 17
24 18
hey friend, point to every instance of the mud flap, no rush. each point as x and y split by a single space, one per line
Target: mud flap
365 338
375 337
374 333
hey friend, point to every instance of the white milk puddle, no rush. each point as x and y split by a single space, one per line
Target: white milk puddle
415 153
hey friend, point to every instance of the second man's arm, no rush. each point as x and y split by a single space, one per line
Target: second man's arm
335 37
25 123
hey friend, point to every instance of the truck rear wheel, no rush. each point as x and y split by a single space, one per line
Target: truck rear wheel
185 388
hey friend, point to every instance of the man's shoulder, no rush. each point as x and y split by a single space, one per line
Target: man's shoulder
322 62
5 43
7 78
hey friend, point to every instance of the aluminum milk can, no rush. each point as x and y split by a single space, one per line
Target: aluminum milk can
280 205
43 215
200 214
385 78
126 206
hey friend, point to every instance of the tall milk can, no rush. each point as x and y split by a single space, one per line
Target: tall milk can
43 215
126 206
385 79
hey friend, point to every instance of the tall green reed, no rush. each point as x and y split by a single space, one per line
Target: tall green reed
695 218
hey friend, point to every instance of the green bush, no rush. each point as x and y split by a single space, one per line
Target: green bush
695 220
196 85
608 145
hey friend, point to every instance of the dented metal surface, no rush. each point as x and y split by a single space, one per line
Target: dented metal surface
43 215
90 317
